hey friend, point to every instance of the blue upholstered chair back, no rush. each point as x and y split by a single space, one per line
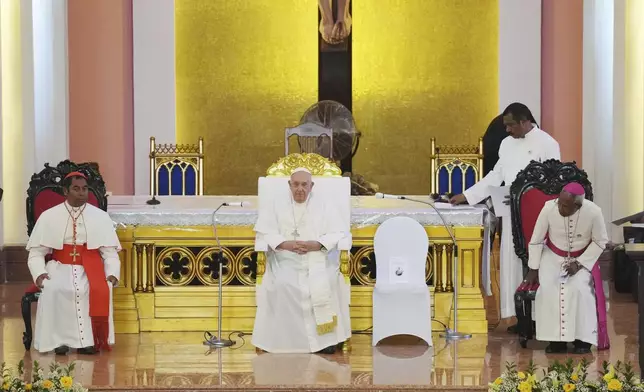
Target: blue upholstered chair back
176 169
455 168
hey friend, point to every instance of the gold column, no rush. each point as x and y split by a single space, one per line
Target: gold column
149 271
449 252
438 265
138 287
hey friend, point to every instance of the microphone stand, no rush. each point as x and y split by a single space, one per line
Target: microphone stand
217 341
153 201
449 334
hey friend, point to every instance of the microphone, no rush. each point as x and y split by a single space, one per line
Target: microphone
153 201
237 204
210 340
381 195
449 333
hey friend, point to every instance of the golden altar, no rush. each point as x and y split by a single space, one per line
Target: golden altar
169 272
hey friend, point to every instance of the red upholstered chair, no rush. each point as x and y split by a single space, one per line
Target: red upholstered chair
46 191
533 187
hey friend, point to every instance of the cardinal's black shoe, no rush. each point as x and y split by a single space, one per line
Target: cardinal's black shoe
581 348
87 351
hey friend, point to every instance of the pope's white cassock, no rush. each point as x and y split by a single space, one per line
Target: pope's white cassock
566 308
303 300
514 156
62 317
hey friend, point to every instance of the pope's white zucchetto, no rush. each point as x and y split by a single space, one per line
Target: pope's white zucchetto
301 169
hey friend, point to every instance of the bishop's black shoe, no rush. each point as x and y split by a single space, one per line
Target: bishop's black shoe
557 348
581 348
513 329
328 350
62 350
87 350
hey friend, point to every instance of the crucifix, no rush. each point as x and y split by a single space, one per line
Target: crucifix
295 233
74 254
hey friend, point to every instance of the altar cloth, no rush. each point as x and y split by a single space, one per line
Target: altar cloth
365 211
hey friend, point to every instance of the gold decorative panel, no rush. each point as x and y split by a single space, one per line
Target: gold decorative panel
246 70
421 69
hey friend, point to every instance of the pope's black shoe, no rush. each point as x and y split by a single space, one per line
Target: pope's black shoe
556 348
328 350
62 350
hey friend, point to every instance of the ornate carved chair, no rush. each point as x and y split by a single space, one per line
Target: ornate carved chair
311 138
176 169
533 187
328 182
455 168
46 191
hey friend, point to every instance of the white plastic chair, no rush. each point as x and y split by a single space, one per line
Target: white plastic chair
401 301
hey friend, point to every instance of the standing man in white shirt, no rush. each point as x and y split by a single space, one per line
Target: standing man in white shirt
527 143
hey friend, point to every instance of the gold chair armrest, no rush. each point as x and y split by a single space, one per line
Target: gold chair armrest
345 265
261 267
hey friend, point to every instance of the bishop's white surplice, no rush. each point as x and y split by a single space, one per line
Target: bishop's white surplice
514 156
62 318
303 300
566 308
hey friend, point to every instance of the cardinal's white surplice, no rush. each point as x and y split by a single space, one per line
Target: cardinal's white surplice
514 156
303 300
62 318
566 308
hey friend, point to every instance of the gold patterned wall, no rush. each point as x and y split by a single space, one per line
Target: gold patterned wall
421 69
246 69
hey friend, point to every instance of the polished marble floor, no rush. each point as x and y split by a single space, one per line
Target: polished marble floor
180 360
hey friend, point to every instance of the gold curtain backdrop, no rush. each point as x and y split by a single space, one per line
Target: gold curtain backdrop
245 71
248 69
421 69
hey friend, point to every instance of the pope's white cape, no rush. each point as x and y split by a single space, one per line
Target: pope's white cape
514 156
299 292
63 318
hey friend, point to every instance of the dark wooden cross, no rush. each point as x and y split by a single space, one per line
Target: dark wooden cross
334 74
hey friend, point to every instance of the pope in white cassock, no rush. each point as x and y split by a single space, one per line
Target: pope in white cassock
75 305
303 300
527 143
568 238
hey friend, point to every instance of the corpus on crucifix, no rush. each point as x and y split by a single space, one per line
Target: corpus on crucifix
335 28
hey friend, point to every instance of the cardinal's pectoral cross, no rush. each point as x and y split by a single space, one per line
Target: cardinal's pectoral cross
295 234
74 254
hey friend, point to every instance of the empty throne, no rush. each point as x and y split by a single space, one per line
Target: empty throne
176 169
46 191
455 168
538 183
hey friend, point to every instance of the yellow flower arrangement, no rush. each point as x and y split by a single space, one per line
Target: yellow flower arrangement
569 387
525 386
57 379
614 385
568 378
66 382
